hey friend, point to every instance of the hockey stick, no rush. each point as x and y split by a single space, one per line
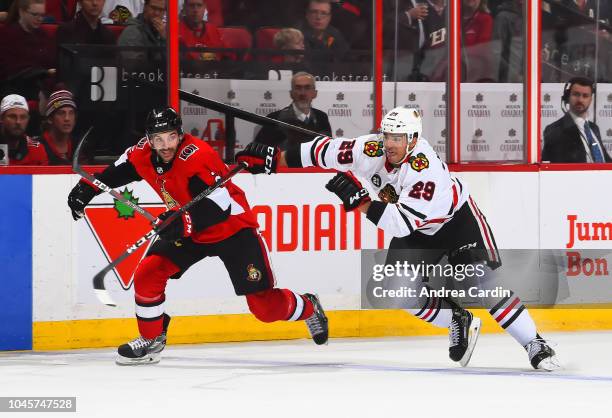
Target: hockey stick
242 114
98 280
229 110
76 167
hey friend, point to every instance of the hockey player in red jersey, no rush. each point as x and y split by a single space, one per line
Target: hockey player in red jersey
178 167
429 212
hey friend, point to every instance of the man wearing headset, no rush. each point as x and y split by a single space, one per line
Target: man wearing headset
573 138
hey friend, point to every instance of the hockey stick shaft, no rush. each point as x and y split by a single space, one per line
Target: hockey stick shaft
98 280
242 114
229 110
76 167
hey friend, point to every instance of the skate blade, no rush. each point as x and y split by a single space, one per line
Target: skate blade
473 336
148 359
549 364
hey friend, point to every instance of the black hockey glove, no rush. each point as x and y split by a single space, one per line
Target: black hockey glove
179 227
349 190
260 158
79 197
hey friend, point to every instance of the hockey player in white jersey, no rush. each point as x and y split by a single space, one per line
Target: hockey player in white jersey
423 207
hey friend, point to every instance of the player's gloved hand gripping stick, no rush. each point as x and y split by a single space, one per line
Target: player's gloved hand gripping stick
98 280
76 167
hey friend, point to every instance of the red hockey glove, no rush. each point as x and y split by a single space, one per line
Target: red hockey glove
260 158
180 227
349 190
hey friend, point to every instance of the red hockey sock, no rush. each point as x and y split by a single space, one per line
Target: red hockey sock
149 286
279 305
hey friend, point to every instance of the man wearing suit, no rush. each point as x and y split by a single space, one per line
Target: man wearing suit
573 138
299 113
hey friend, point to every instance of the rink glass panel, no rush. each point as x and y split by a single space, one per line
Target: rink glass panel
492 90
254 74
577 43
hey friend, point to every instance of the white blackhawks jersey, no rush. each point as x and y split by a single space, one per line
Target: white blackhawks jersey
420 194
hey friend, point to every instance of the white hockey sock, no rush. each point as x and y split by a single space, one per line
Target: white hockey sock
512 315
436 311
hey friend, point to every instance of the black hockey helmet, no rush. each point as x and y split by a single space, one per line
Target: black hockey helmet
163 120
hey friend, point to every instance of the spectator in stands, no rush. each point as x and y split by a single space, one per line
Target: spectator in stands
586 7
213 11
195 32
23 150
410 29
299 113
119 12
27 55
508 36
59 11
87 27
354 19
57 130
573 138
325 42
149 28
477 22
4 8
431 62
477 29
290 39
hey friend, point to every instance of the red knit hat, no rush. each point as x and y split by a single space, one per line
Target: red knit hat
59 99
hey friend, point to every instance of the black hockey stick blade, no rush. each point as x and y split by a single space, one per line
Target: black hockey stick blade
98 280
76 167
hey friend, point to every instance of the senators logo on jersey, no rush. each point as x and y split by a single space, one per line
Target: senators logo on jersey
373 148
419 163
253 275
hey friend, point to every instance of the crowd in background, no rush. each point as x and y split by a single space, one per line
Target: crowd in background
305 35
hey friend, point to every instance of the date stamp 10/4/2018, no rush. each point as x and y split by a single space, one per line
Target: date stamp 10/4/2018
37 404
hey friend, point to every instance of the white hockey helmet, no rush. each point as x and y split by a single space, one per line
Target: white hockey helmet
403 120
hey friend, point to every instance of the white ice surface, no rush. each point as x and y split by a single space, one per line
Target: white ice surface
385 377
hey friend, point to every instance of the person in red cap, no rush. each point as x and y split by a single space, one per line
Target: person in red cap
57 129
22 149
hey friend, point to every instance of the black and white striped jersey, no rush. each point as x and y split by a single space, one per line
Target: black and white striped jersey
419 194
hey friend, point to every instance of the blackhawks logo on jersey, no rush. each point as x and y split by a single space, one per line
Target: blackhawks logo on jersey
388 194
373 148
419 163
253 275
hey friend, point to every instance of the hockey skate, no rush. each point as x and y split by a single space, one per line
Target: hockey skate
317 323
541 356
142 350
463 333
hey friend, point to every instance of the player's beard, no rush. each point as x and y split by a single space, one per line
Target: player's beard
166 154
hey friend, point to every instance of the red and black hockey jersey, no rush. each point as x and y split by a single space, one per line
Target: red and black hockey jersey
28 152
195 167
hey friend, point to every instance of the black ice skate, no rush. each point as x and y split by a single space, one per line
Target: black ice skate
317 323
541 356
142 350
463 333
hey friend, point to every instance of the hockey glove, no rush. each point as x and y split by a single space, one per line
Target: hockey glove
180 227
260 158
349 190
79 197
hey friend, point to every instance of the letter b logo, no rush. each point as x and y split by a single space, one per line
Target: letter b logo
103 84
